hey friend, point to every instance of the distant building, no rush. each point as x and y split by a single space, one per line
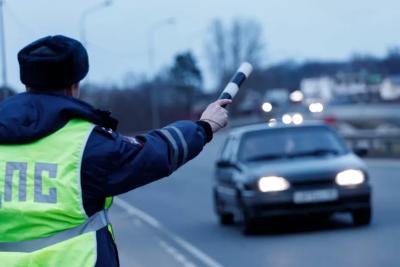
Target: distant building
390 88
318 88
340 86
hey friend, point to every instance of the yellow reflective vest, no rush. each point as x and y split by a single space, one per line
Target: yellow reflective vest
42 220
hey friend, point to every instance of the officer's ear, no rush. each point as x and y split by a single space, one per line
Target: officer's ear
73 90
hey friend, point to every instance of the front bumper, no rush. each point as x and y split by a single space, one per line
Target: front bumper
258 204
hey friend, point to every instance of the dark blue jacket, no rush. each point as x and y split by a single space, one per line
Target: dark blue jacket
112 164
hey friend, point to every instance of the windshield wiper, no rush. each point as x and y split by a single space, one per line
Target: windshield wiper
266 157
316 152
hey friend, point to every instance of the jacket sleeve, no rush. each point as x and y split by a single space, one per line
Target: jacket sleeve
131 162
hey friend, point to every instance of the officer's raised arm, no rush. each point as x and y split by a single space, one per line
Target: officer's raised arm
184 140
145 158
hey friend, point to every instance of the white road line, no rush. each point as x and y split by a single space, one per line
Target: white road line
197 253
175 254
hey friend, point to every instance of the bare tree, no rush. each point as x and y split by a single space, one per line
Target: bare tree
227 47
252 42
216 48
236 43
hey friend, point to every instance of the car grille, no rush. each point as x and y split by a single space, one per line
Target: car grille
313 183
302 184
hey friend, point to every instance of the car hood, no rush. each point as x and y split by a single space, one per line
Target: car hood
305 168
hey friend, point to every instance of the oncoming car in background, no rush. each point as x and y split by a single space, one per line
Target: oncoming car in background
265 172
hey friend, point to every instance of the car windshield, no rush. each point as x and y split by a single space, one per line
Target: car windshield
290 143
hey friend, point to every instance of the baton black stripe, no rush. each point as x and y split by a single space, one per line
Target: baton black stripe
225 95
239 78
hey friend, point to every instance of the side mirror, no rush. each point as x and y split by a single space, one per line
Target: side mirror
224 163
361 152
229 164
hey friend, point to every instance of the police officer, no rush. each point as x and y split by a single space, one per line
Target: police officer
62 161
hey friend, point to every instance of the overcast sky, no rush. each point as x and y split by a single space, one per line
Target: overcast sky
118 35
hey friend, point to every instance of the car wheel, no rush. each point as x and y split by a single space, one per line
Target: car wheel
226 219
362 216
324 217
248 226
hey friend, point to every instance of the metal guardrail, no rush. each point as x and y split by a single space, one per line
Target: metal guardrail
377 143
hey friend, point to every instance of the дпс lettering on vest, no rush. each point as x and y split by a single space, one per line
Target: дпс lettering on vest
19 170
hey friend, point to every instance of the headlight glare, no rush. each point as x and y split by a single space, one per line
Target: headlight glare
273 184
350 177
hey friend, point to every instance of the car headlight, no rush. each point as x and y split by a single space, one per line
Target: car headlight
273 184
297 119
287 119
350 177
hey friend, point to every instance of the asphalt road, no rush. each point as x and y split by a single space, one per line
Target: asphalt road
178 227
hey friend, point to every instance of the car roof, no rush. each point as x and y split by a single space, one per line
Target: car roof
239 131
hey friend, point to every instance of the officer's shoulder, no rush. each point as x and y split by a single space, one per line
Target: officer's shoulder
106 132
113 135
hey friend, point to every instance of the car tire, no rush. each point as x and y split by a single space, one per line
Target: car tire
324 217
362 216
226 219
248 226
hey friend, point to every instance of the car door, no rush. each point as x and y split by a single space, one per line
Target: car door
225 170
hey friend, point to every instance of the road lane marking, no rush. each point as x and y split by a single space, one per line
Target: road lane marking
176 255
191 249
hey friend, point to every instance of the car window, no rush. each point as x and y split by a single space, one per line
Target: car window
225 152
290 142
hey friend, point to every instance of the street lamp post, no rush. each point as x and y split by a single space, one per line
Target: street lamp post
155 116
85 15
83 20
3 45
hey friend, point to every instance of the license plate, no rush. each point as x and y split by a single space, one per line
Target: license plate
313 196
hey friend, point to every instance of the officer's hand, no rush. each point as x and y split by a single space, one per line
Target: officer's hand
216 115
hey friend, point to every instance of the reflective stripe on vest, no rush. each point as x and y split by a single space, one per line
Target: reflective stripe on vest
94 223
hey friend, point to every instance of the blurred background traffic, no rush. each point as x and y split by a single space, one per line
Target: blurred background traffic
157 62
154 62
